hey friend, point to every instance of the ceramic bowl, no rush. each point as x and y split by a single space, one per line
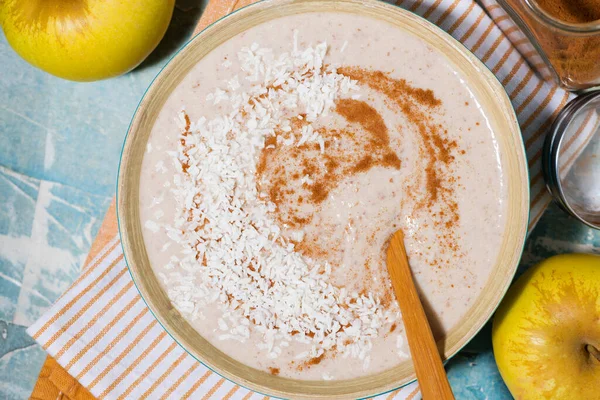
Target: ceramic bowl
500 114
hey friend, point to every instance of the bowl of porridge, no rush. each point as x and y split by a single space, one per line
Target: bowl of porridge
270 161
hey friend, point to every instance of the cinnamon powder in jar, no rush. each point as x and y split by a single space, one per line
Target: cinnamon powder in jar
572 49
575 11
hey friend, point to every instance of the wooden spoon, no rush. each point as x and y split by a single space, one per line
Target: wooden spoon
425 355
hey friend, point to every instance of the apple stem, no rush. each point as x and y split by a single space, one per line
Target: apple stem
594 352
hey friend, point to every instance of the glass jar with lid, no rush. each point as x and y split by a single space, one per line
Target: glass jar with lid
563 38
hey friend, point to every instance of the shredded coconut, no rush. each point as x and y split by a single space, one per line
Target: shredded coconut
400 347
152 226
344 46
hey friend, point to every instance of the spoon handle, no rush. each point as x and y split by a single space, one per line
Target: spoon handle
426 357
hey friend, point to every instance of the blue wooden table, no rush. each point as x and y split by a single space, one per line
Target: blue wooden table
60 144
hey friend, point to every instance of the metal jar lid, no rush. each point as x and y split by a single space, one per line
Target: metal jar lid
571 159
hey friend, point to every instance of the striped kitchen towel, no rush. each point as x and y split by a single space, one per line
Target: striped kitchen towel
100 330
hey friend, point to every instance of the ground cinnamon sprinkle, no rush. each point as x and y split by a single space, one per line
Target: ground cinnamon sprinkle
391 160
393 88
186 131
319 192
273 371
316 360
188 124
281 184
363 165
417 105
368 117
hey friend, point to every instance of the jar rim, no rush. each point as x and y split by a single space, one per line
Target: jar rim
583 28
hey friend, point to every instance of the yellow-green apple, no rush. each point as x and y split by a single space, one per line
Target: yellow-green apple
546 333
85 40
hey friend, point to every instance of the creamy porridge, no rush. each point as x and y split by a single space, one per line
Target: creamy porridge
280 166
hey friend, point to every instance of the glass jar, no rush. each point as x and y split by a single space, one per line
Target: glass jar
571 159
567 52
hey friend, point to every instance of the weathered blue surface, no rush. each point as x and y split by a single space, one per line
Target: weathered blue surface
60 144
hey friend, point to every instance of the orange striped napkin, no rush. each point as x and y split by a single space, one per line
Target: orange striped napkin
102 333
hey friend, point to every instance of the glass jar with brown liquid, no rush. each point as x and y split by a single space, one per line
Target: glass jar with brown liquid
565 34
